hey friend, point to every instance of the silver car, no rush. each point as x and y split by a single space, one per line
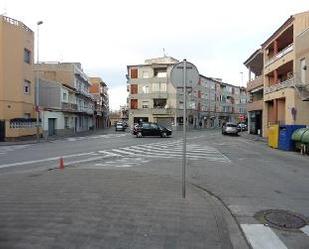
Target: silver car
229 128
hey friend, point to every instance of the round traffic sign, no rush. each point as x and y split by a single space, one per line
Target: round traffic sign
177 74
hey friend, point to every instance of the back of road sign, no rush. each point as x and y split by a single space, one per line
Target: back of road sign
192 74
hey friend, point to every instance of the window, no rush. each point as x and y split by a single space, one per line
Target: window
303 69
133 88
160 72
145 104
145 74
27 85
27 56
134 103
163 87
154 126
145 89
159 103
134 73
155 87
66 122
65 97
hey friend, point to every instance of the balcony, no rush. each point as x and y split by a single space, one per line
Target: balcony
255 105
257 82
279 55
70 107
161 111
87 110
276 87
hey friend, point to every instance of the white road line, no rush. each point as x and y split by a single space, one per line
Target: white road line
44 160
305 229
124 152
85 160
109 153
144 152
262 237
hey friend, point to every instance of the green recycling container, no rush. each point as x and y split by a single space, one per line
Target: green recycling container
305 137
297 135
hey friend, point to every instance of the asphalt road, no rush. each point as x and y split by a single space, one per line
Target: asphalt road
245 176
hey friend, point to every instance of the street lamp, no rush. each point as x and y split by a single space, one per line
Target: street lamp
37 85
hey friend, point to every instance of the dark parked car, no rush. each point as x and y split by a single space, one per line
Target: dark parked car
151 129
229 128
242 127
120 126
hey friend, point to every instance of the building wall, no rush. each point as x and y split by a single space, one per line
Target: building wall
60 128
50 94
14 38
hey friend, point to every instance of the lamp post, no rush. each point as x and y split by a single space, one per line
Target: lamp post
37 86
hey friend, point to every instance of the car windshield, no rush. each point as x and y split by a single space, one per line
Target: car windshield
231 125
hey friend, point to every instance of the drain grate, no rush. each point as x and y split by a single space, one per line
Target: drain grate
282 219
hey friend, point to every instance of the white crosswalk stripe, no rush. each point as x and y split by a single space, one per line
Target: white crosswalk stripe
169 150
262 237
73 139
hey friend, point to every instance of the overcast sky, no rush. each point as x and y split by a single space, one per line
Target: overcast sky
107 35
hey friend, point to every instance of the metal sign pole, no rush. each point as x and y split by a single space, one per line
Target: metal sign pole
184 160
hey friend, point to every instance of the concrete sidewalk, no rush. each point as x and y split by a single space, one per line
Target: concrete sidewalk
106 208
245 134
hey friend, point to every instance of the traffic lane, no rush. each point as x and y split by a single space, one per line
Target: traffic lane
58 148
259 177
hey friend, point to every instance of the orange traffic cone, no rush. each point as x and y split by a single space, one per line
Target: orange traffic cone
61 163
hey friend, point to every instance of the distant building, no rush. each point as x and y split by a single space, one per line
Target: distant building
17 84
99 90
153 98
64 95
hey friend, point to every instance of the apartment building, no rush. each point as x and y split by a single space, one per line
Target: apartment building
151 95
17 112
232 103
207 102
255 89
77 104
153 98
285 69
99 90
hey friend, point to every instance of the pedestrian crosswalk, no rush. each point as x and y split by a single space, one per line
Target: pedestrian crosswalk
261 236
73 139
168 150
5 149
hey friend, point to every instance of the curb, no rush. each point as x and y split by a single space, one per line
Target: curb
237 238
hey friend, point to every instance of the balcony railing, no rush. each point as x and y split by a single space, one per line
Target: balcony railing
87 110
255 105
279 86
16 23
68 106
255 83
282 53
161 111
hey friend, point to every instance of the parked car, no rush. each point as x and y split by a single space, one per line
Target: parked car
151 129
242 127
230 128
120 126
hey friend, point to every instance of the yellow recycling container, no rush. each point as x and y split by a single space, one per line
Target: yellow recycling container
273 136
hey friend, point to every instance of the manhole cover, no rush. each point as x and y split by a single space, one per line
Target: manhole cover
284 219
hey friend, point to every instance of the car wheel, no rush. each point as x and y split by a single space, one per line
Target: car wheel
139 134
164 134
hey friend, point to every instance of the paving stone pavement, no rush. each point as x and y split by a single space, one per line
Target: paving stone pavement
76 208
